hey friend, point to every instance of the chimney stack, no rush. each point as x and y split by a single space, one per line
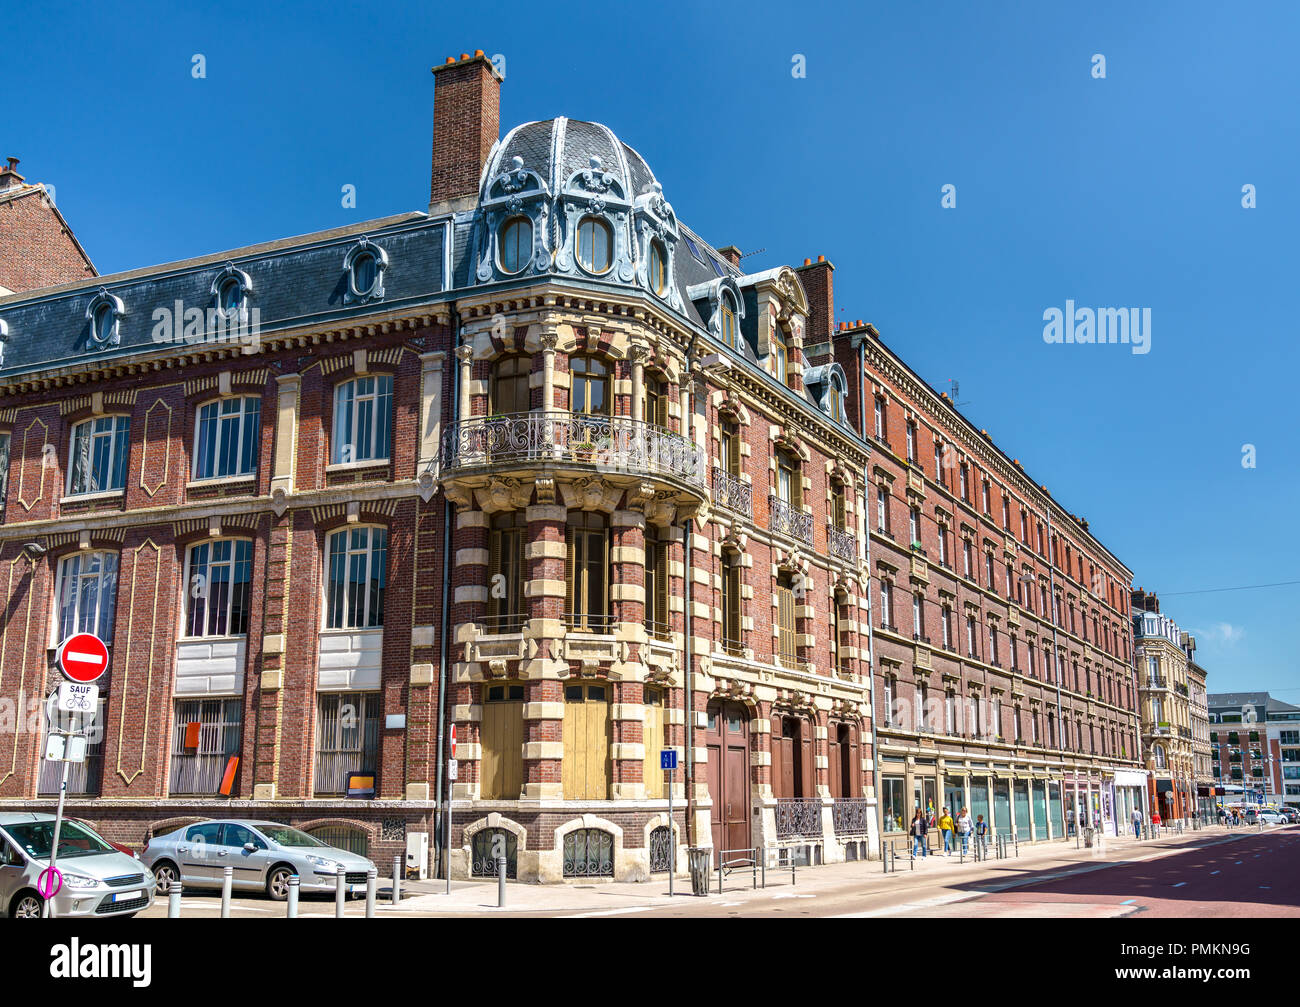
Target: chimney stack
9 174
732 254
816 278
466 123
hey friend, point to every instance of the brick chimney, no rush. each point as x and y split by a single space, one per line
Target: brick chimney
466 123
816 277
732 254
9 176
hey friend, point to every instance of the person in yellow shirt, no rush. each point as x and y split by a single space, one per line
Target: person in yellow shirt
946 827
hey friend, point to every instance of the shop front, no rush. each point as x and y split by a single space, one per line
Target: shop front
1130 793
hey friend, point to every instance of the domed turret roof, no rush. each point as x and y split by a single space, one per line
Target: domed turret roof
557 148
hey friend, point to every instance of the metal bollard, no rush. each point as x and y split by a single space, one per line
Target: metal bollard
227 879
340 883
397 879
501 882
294 881
174 900
372 881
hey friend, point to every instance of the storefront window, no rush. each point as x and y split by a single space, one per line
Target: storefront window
1040 809
893 804
1022 810
979 798
954 794
924 796
1055 809
1002 806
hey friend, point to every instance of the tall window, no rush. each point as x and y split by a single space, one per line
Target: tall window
205 736
938 461
217 582
966 557
729 449
587 572
882 509
225 438
4 469
995 716
988 572
789 483
358 574
886 605
890 691
516 244
87 594
590 391
965 482
914 525
656 583
836 402
911 441
918 616
1006 512
786 652
1012 650
658 274
943 544
363 419
727 322
510 393
656 403
780 354
506 577
993 644
838 657
947 627
99 453
972 640
731 606
838 514
347 738
880 418
984 496
595 244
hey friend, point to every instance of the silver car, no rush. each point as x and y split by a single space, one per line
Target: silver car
262 855
98 880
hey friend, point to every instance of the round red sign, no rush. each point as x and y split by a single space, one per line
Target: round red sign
83 657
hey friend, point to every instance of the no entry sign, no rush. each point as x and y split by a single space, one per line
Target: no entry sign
83 657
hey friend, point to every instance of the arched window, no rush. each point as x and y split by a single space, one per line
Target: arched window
87 594
364 274
363 419
230 296
510 392
727 326
589 853
595 244
516 244
218 579
226 437
357 571
658 274
1158 754
589 393
100 448
780 354
487 843
587 572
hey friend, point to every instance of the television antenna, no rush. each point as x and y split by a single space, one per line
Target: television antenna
954 389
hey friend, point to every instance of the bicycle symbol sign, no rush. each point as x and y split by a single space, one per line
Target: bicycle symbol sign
78 697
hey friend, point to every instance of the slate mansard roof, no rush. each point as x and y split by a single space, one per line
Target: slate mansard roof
554 171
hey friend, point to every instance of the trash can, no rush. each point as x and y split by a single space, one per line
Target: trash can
698 859
1087 836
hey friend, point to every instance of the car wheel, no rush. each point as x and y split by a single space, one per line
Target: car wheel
26 906
164 873
277 883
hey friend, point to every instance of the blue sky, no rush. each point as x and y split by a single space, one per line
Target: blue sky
1116 192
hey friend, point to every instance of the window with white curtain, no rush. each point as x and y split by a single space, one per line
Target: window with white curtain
226 437
363 419
357 572
87 594
99 452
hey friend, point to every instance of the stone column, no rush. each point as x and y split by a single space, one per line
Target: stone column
637 354
549 339
465 357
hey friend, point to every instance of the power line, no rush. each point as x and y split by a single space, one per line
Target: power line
1216 590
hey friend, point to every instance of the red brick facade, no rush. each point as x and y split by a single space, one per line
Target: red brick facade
40 249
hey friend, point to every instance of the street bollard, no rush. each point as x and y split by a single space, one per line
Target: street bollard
294 881
227 879
174 900
372 881
501 882
340 883
397 879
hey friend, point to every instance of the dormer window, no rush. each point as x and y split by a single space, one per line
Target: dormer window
103 314
658 275
728 326
516 244
230 297
780 354
836 402
364 266
364 274
102 325
595 245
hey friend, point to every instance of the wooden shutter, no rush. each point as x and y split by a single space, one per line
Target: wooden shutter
653 738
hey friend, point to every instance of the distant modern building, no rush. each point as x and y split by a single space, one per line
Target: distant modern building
1255 743
1160 652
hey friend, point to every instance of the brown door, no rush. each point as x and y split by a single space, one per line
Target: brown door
502 737
835 762
727 740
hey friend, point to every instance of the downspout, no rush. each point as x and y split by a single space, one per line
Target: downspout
866 552
1060 667
444 804
688 417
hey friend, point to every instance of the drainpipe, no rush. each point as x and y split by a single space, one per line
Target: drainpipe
866 552
1056 656
691 837
444 675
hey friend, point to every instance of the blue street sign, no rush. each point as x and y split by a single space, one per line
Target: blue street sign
668 758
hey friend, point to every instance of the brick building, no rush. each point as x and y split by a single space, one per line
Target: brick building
539 463
1162 657
1003 675
40 249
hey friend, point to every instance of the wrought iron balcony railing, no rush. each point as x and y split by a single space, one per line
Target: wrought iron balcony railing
850 815
611 443
732 493
798 816
788 520
843 544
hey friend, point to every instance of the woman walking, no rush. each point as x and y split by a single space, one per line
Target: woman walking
964 829
947 827
918 833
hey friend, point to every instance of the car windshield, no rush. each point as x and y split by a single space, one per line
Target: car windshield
74 840
285 836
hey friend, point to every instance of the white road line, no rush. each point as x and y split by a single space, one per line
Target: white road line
608 912
1214 872
1180 884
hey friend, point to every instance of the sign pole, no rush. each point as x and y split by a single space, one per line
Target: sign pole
47 909
672 837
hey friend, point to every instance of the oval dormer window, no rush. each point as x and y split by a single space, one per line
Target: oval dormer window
102 324
728 322
516 244
595 243
364 274
230 296
658 267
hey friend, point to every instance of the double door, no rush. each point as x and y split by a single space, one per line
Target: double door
727 741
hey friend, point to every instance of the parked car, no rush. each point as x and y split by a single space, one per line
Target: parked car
1292 815
1270 817
98 880
263 855
120 847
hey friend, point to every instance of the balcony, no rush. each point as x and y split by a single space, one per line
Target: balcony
843 545
787 520
798 817
610 444
1156 683
850 815
733 493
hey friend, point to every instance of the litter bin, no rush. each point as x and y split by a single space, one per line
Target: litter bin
698 859
1087 836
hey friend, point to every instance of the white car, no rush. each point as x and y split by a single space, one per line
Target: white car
1267 816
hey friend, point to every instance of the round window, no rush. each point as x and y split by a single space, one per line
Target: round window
229 296
364 273
595 244
516 244
658 267
101 325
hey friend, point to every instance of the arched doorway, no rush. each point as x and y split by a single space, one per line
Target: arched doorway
727 740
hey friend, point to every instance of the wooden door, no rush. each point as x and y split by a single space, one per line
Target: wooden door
727 741
835 761
502 735
652 734
586 769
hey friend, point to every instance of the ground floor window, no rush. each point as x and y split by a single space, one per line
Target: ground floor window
1054 807
589 853
347 739
83 777
979 799
1022 809
661 848
343 837
1002 806
206 736
893 803
1040 809
954 795
487 845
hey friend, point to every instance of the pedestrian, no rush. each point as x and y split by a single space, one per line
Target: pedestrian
1137 824
946 827
918 833
1069 822
964 828
981 834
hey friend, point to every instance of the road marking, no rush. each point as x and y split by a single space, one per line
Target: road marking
1180 884
1265 886
609 912
1128 902
1239 863
1214 872
793 896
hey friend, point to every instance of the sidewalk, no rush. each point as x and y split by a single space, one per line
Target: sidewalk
864 879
